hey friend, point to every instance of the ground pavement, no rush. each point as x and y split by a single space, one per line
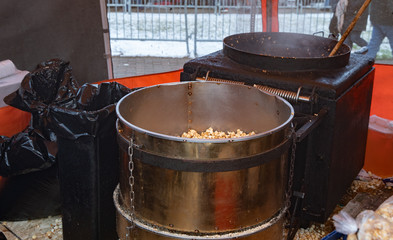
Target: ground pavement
136 66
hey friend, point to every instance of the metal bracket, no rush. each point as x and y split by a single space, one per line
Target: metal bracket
293 227
314 121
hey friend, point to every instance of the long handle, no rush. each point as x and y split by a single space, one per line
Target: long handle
350 27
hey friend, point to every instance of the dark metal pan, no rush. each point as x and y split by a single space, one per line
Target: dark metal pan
280 51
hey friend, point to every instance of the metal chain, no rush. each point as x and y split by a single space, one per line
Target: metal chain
288 194
131 181
291 171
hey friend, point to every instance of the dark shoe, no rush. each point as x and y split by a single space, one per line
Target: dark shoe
362 50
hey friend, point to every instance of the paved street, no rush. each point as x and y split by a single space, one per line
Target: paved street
135 66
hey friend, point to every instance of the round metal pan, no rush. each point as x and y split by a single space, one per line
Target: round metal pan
279 51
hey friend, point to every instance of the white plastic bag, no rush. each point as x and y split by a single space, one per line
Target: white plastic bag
386 210
344 223
369 225
373 226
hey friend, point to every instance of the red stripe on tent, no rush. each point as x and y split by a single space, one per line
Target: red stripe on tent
269 15
275 24
264 15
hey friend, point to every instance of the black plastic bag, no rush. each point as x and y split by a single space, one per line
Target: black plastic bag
25 152
35 148
32 195
28 159
51 83
80 124
88 160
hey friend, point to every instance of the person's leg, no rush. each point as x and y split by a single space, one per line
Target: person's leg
388 30
356 38
348 41
376 39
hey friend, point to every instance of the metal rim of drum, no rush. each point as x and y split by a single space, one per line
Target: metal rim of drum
192 235
202 165
182 139
234 48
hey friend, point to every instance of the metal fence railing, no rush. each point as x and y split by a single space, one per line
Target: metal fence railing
227 17
150 20
193 22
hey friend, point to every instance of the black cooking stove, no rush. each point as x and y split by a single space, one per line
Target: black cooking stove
332 109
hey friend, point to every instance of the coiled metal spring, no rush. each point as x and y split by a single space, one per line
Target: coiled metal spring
288 95
224 81
211 79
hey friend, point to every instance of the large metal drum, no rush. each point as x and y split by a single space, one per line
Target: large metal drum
182 188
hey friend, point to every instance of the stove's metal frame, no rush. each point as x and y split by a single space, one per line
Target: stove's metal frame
332 126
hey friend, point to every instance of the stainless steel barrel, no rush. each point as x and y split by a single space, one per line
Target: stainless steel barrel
181 188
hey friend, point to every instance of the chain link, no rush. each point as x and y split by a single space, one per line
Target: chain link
131 181
288 194
291 171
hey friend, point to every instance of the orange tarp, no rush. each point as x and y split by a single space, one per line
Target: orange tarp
148 80
13 120
382 99
379 149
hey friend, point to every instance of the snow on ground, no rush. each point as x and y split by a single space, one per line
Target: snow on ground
142 28
137 48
